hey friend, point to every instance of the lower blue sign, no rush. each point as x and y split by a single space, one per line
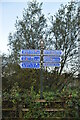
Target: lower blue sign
30 65
51 64
30 58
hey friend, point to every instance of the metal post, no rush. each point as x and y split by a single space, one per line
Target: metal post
0 87
79 40
77 105
41 70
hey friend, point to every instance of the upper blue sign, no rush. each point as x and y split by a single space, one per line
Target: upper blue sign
52 52
51 59
30 58
30 65
30 52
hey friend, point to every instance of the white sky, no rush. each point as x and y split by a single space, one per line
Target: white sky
10 9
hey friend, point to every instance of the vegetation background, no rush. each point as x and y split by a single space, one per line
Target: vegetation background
22 86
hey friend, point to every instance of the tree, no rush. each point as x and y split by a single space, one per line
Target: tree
29 30
63 34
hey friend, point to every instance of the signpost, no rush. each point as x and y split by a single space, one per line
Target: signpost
38 59
41 75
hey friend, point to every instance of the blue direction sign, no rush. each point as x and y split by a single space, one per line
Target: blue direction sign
30 65
51 59
30 52
30 58
51 64
52 52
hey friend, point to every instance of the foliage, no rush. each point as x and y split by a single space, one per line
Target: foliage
35 110
51 96
64 36
15 94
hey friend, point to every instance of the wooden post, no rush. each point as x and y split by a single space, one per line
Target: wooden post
20 111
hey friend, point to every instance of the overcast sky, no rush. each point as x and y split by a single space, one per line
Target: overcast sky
10 9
